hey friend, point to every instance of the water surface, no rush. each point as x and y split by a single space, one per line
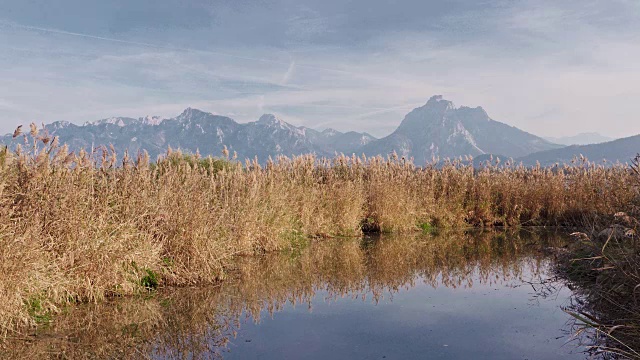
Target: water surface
451 296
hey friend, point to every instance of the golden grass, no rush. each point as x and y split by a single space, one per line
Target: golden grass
80 227
604 268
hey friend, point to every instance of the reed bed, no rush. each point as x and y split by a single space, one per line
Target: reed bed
84 226
603 266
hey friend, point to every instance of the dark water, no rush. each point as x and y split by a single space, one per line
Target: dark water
453 296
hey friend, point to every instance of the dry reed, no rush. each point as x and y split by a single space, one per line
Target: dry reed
604 268
81 227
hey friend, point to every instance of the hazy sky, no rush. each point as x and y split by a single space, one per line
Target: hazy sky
549 67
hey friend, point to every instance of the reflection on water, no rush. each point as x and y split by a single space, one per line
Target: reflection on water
450 296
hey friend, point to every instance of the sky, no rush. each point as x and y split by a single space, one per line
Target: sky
553 68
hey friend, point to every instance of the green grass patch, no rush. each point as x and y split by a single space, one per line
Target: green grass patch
296 242
147 278
151 280
167 261
37 310
427 228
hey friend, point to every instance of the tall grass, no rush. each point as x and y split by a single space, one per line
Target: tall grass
604 268
80 227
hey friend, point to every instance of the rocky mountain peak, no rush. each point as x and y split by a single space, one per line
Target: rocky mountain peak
118 121
439 129
270 120
330 132
61 124
437 102
151 120
191 114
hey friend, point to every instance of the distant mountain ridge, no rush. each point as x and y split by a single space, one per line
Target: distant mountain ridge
194 130
437 129
622 150
580 139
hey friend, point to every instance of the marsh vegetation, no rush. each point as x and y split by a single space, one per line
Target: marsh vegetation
86 227
604 267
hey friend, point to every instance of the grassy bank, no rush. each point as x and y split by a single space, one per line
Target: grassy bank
79 227
604 268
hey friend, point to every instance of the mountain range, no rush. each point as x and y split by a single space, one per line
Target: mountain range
436 130
622 150
194 130
587 138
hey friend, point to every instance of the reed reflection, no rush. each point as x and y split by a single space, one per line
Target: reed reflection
199 322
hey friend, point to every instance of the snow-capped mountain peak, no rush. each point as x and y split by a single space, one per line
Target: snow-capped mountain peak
330 132
118 121
270 120
59 124
151 120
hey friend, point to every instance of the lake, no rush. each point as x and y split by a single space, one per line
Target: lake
471 295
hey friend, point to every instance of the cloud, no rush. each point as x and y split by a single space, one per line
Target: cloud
287 75
328 64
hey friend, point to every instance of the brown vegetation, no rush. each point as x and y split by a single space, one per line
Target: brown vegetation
604 268
80 227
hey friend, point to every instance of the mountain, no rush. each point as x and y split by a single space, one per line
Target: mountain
580 139
622 150
333 141
439 129
194 130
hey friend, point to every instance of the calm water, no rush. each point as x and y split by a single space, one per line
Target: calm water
456 296
483 322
